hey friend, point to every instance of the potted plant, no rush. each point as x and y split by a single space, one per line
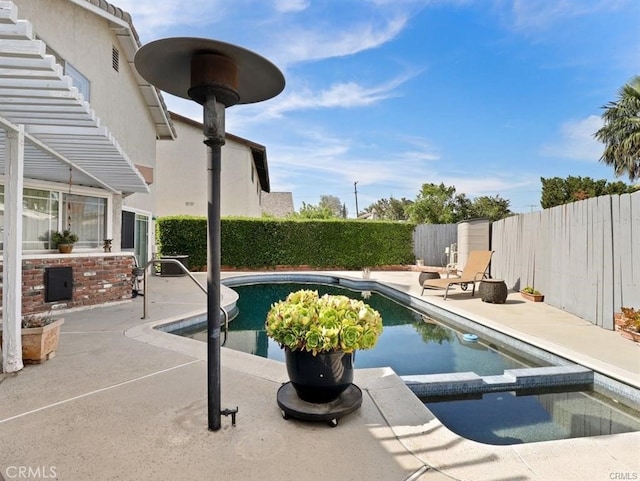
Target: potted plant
40 335
532 294
320 336
64 240
628 323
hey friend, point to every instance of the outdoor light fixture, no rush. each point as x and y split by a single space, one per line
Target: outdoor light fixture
216 75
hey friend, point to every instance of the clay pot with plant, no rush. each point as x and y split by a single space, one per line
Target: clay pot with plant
64 240
40 335
531 294
628 323
320 335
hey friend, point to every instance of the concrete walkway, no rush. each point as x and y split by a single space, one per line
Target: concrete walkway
122 400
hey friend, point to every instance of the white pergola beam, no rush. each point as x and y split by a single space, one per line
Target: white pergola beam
12 254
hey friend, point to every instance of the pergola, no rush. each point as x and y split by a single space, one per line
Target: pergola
48 132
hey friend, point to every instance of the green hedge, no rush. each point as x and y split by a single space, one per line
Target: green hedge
183 235
267 243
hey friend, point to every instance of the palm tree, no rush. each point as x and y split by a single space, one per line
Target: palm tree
621 131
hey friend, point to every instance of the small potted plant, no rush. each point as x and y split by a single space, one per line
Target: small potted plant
40 335
64 240
320 335
532 294
628 323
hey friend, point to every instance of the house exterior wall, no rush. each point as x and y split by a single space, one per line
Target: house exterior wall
181 173
97 279
86 39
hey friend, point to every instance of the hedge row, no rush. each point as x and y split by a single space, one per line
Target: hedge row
267 243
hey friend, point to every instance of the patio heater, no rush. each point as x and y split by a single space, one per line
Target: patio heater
216 75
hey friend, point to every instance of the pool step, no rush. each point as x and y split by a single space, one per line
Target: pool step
453 384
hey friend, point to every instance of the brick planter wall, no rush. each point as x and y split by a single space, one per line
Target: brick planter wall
97 279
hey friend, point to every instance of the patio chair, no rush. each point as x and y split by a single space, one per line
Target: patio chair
474 270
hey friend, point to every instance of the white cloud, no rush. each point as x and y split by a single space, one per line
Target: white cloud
287 6
151 16
576 140
340 95
301 35
300 44
541 14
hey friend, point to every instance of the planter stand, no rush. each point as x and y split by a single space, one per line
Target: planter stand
294 407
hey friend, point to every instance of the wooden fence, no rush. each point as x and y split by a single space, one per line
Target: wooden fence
430 241
583 256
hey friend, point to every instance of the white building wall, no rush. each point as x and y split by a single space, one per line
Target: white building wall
240 190
86 40
181 175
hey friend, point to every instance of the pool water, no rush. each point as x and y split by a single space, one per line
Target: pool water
411 343
506 418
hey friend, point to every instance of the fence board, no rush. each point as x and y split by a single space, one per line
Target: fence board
430 241
584 256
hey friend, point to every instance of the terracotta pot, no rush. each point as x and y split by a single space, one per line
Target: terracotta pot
532 297
40 343
629 334
65 248
621 326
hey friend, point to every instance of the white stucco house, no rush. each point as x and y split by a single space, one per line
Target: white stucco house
181 174
76 90
78 136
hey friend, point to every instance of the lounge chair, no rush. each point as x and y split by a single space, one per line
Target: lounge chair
474 270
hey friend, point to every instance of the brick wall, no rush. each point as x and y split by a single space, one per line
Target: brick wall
97 279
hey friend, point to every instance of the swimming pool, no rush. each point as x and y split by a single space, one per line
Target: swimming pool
439 346
411 342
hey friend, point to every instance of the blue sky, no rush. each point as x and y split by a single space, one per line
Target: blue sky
484 95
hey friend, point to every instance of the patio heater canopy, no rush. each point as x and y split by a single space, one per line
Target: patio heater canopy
169 65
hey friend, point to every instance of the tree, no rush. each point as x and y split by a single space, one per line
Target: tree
558 191
621 131
391 209
308 211
332 203
439 204
329 207
344 212
493 208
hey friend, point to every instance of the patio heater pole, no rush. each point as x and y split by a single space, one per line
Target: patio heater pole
214 131
217 75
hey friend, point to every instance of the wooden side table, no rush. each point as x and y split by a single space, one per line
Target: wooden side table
493 290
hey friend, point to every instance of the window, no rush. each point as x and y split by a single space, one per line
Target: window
87 217
79 81
45 211
40 214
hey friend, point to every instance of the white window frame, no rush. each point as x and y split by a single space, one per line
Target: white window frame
63 189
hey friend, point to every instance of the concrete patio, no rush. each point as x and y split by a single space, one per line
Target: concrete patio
122 400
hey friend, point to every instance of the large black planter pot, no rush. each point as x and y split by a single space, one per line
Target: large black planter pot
320 378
